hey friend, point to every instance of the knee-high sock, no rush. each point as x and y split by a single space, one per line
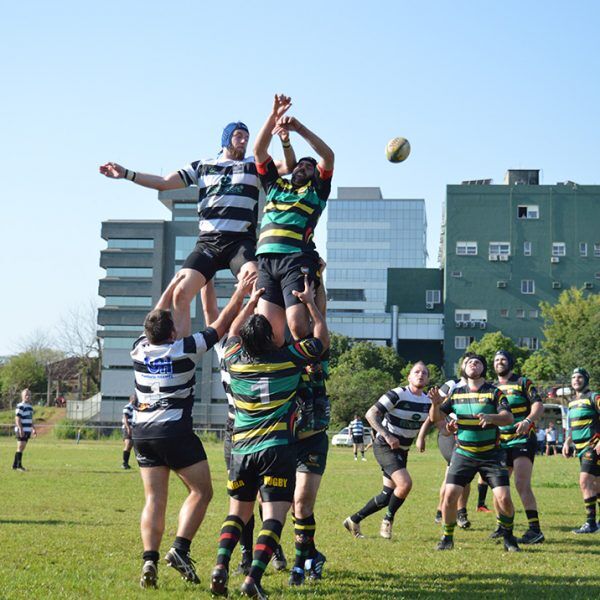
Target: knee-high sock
590 509
533 519
230 534
394 504
482 489
267 541
373 505
505 522
246 540
304 532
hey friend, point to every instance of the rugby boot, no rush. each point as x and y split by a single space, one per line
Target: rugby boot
296 576
149 576
218 581
446 543
315 572
183 563
253 590
385 531
510 543
278 560
532 537
587 528
353 528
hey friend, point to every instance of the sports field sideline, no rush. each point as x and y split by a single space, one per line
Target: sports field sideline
69 528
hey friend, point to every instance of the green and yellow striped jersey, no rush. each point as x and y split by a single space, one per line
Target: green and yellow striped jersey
521 395
264 392
473 440
584 420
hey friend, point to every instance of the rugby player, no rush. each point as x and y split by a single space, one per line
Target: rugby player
24 428
163 437
480 409
286 250
126 427
519 440
264 382
227 207
583 430
357 430
397 418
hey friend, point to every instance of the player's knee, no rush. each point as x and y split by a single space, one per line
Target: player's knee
383 498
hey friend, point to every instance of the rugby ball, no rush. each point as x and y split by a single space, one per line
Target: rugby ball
397 149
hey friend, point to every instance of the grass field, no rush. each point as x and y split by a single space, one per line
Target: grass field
69 529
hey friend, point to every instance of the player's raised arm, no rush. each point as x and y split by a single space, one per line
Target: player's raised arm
113 170
307 297
246 312
281 104
315 142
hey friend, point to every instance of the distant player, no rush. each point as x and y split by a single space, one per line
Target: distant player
397 418
518 440
24 428
480 409
126 427
356 430
286 248
583 430
162 431
227 207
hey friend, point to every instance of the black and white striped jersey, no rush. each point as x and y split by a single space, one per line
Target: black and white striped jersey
165 376
225 376
128 413
227 197
24 411
357 429
403 414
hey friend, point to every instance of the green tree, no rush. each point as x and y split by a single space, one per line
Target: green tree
367 355
538 368
338 345
354 392
436 375
21 371
572 333
490 343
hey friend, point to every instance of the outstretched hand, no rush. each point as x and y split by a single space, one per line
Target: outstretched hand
435 396
306 296
281 104
256 294
286 122
247 281
112 170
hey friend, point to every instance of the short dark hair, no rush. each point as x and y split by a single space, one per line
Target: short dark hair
257 336
158 326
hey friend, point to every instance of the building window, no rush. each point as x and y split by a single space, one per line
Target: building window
582 248
597 250
527 286
531 343
457 274
531 211
127 244
500 248
346 295
128 272
520 313
461 342
433 296
461 315
118 343
526 248
466 248
185 206
559 249
533 314
138 328
504 312
184 246
128 301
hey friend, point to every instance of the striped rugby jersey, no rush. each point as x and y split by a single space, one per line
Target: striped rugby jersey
165 376
356 427
225 377
227 196
24 411
314 377
403 414
264 391
584 420
291 213
472 440
128 413
521 395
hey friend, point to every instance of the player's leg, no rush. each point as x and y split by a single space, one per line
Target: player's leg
449 509
462 516
506 515
589 491
402 486
482 488
375 504
187 289
18 460
127 446
523 470
271 304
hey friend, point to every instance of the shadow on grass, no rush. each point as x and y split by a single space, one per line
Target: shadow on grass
39 522
459 586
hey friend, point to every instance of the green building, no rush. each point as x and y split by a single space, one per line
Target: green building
505 248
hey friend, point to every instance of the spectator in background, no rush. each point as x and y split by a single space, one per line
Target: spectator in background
550 439
357 430
24 428
541 440
127 441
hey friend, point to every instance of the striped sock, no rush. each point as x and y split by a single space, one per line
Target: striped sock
304 532
533 519
268 540
393 506
230 534
590 509
448 530
506 523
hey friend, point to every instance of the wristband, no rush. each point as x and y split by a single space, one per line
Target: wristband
130 175
288 145
528 420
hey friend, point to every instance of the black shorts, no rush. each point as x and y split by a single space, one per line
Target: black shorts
590 462
312 453
446 444
528 449
280 274
462 470
358 439
126 436
230 252
175 452
22 438
389 460
272 471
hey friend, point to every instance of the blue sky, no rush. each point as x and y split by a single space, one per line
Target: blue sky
477 87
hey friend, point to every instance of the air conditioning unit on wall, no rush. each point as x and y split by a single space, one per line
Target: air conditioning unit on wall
554 260
503 257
